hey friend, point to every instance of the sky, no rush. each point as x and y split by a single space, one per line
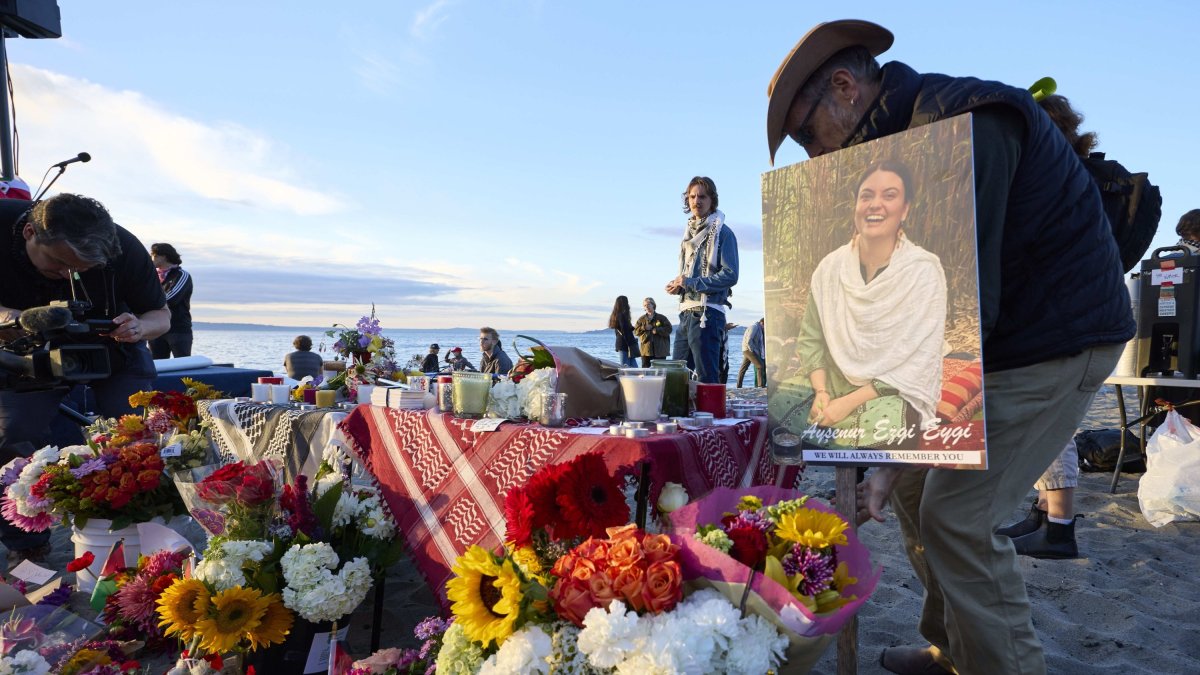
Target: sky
510 163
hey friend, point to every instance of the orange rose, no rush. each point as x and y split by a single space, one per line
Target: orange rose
658 547
623 532
663 586
563 566
624 552
583 570
629 583
601 588
593 549
572 600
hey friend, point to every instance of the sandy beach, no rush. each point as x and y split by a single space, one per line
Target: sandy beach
1129 605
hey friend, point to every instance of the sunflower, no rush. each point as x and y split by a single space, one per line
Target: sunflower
812 528
234 612
276 623
181 605
486 594
590 499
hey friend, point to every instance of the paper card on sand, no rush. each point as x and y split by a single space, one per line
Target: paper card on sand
32 573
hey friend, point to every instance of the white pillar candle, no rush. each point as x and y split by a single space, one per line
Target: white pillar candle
260 393
280 394
642 389
364 392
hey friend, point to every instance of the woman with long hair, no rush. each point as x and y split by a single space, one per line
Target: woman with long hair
871 341
177 284
622 324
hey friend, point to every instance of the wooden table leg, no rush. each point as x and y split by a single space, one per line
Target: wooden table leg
847 641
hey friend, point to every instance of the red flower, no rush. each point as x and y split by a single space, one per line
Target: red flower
572 599
749 546
518 513
220 486
82 562
543 493
589 498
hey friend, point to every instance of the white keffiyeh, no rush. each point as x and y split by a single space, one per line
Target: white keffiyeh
699 238
891 329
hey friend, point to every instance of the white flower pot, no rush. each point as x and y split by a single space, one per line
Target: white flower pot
97 538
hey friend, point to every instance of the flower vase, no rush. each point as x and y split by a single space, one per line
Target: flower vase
97 538
290 656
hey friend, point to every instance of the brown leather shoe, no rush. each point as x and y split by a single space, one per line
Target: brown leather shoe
913 661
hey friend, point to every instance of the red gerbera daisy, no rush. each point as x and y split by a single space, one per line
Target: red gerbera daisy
590 498
518 513
543 492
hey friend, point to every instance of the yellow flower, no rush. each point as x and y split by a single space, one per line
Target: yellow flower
276 623
749 503
527 559
812 528
486 594
842 578
233 613
131 424
85 659
141 399
181 605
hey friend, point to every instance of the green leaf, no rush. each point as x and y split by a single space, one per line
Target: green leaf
325 506
542 358
121 522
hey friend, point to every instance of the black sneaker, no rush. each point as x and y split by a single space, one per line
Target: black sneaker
1054 541
1032 522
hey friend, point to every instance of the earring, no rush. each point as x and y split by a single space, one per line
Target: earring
853 101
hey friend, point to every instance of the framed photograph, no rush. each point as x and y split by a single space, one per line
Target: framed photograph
872 303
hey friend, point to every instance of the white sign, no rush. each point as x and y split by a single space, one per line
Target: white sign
1171 276
488 424
318 653
1166 306
32 573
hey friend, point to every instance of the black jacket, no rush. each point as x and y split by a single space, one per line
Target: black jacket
1050 276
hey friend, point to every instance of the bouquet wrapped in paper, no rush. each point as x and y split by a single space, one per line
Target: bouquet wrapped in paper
805 569
236 500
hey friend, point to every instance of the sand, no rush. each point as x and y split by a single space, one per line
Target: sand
1131 604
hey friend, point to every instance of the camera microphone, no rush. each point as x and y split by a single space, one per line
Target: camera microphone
45 319
81 157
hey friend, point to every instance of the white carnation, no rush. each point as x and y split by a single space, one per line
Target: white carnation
608 636
525 651
26 662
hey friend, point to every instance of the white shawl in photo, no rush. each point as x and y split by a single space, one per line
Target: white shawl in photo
891 329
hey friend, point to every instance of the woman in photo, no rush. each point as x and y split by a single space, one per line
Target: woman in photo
177 285
871 341
622 324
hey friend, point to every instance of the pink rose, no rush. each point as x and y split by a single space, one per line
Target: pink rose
629 582
572 600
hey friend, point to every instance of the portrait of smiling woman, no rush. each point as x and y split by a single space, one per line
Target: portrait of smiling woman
872 338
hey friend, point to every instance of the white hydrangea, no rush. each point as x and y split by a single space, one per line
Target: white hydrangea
525 651
315 591
224 560
25 662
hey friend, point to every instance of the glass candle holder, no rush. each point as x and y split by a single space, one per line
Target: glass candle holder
470 394
675 393
325 398
554 410
642 391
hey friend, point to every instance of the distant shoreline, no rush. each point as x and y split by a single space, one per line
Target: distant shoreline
216 325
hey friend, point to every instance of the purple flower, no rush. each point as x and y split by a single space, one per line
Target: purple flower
89 467
431 627
750 519
364 341
56 598
817 569
14 472
339 346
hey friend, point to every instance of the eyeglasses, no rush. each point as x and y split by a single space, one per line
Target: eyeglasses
804 134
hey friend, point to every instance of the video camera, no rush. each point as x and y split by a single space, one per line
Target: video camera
60 347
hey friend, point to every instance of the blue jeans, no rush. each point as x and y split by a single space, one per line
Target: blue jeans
628 359
700 347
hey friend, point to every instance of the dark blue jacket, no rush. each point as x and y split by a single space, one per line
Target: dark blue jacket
1054 287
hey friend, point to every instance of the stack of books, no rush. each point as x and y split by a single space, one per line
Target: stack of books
400 398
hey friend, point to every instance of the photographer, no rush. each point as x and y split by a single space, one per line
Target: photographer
68 248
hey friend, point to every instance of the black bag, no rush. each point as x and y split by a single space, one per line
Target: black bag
1132 203
1098 450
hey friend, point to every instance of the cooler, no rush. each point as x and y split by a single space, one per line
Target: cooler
1168 339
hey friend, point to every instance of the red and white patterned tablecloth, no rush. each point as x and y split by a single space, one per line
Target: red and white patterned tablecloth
445 484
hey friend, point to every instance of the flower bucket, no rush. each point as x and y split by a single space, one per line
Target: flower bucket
97 538
290 656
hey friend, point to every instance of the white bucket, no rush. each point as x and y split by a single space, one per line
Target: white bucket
96 537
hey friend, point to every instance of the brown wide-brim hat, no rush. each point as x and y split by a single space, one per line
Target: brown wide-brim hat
813 50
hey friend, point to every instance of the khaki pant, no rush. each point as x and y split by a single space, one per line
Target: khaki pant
976 610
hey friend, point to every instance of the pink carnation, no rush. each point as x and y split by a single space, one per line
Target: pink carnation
159 422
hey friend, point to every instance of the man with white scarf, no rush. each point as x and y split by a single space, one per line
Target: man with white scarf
708 270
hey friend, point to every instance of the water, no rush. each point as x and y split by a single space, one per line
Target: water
265 348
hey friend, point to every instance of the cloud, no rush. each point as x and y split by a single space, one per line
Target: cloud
249 286
158 151
426 21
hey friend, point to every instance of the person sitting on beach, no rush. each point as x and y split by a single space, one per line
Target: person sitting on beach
303 361
494 360
430 364
1049 340
457 361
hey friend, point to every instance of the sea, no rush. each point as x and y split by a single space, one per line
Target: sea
264 347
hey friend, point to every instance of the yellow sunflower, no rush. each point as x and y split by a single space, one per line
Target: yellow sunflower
486 594
276 623
233 613
812 528
181 605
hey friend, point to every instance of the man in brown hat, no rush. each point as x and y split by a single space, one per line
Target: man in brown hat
1054 314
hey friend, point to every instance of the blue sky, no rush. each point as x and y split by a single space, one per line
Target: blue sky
511 163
